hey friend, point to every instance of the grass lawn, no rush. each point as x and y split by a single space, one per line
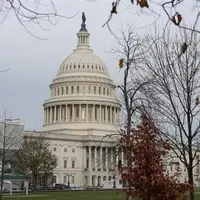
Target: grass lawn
70 195
74 195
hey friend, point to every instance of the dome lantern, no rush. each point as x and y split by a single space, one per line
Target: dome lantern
83 35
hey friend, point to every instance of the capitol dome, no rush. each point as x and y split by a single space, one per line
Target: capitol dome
82 61
83 95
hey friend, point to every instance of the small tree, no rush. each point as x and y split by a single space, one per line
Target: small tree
146 173
10 136
35 159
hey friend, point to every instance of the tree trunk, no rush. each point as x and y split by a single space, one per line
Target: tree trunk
191 182
34 183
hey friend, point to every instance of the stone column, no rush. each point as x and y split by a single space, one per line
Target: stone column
66 113
100 113
93 113
96 180
101 160
117 155
60 116
86 113
86 156
122 156
45 115
54 114
111 156
95 158
106 158
50 115
110 114
89 157
73 114
80 112
114 115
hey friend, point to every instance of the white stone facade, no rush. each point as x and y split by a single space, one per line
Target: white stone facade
82 108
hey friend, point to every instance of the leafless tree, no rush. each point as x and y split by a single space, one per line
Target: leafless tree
10 137
128 53
174 64
38 12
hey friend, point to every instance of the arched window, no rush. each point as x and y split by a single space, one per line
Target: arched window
72 90
107 91
95 90
104 91
67 90
77 89
65 164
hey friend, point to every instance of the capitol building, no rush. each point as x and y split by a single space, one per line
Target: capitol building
80 115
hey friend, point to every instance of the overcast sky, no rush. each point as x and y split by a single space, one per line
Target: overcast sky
33 63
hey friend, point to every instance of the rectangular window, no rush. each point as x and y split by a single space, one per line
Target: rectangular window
65 164
73 163
77 89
